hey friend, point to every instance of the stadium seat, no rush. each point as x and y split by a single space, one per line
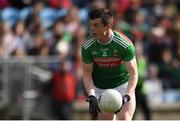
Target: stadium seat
48 16
83 14
62 12
25 12
10 15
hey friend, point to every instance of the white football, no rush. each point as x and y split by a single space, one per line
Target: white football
110 101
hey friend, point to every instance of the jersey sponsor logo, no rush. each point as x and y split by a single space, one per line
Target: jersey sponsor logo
110 62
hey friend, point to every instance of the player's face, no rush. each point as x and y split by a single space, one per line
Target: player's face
98 29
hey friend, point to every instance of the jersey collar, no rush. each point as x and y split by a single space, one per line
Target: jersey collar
108 41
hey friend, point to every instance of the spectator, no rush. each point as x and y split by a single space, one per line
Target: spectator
7 39
33 20
154 86
38 44
63 92
165 68
141 94
175 73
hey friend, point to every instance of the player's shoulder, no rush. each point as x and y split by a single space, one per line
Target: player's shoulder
88 42
122 37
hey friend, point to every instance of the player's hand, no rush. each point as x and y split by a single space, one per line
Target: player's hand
126 98
93 105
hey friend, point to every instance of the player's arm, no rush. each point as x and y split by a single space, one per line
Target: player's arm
89 86
131 65
88 82
133 76
87 78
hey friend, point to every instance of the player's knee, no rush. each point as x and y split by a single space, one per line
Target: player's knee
125 116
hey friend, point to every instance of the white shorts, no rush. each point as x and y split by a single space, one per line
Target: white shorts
122 89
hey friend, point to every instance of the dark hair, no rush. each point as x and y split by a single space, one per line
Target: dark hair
105 15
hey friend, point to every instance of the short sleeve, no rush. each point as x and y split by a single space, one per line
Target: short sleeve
129 53
85 56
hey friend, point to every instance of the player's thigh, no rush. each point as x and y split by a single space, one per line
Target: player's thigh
128 109
106 116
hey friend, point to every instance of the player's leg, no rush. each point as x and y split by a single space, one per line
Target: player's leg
106 116
128 109
103 115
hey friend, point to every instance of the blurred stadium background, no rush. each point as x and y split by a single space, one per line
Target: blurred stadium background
38 37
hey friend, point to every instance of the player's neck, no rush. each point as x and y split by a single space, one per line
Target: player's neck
107 36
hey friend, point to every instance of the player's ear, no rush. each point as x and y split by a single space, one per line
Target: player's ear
109 26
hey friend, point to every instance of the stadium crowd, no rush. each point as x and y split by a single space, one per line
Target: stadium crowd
59 27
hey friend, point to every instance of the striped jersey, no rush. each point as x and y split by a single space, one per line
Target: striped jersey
108 59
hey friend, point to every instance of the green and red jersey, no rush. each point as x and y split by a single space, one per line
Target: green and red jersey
108 59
